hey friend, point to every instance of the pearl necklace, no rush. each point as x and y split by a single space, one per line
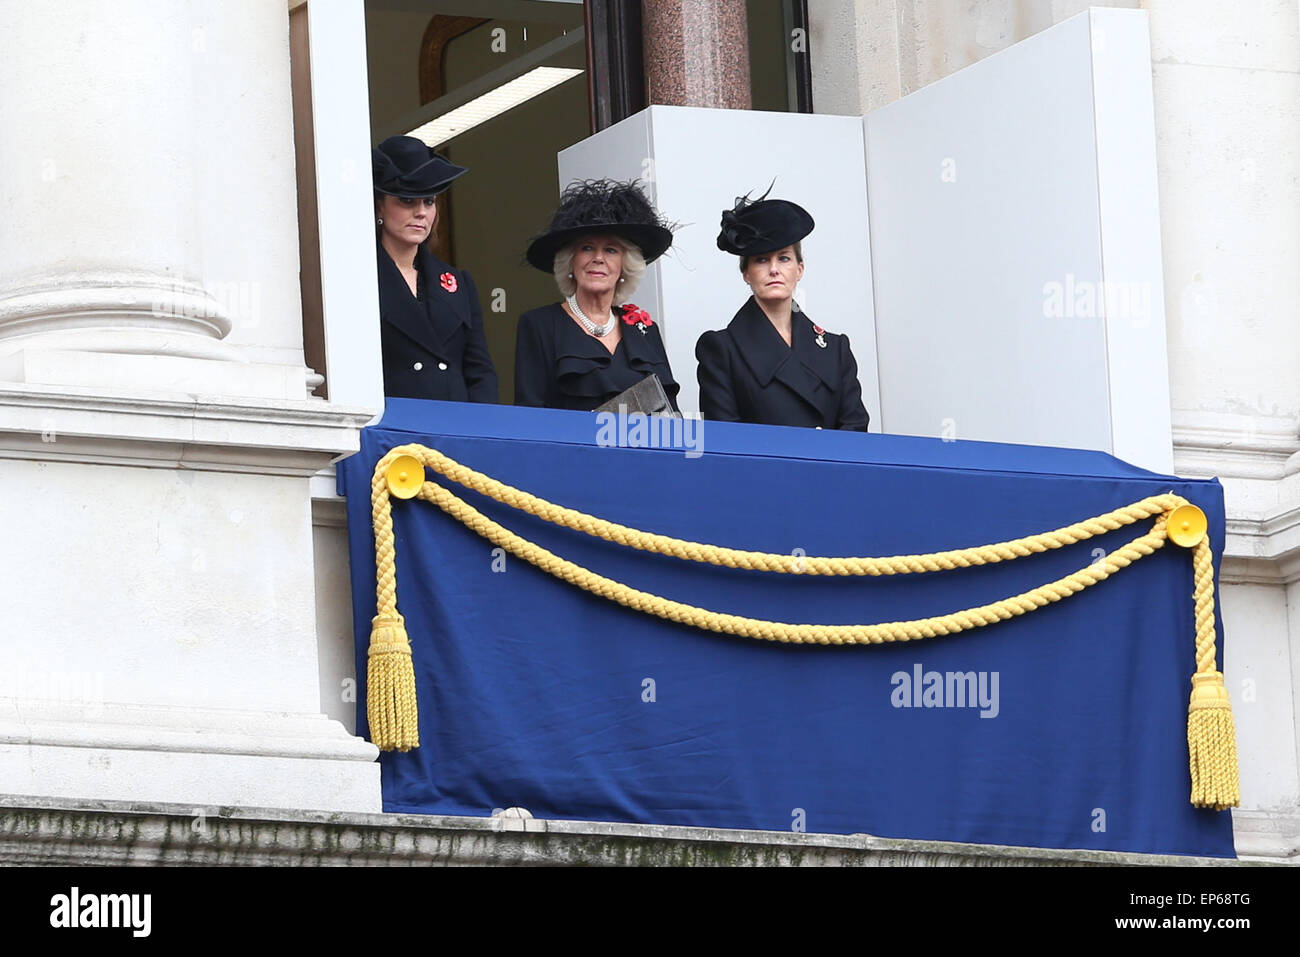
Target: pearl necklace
598 331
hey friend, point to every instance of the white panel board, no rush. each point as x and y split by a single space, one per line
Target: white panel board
698 161
1131 260
1001 199
345 199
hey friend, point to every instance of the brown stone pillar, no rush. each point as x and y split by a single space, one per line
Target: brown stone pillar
696 53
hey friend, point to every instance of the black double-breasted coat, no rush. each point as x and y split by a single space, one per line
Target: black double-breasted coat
748 374
559 366
433 347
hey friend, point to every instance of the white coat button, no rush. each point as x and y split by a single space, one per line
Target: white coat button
418 366
819 428
442 367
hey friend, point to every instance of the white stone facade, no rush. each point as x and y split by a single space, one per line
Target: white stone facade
157 436
1226 85
168 635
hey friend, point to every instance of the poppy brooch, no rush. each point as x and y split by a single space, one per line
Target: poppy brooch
821 335
636 316
448 281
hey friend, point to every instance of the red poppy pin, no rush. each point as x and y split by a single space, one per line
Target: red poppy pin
448 281
636 316
821 333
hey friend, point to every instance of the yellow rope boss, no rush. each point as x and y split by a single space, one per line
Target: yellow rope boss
390 699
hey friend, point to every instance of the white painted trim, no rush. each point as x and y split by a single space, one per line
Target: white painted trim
1128 202
344 196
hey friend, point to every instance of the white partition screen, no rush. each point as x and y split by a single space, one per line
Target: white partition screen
990 243
1016 247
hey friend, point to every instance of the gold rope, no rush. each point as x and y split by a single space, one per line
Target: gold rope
790 564
390 673
1211 731
1211 738
779 631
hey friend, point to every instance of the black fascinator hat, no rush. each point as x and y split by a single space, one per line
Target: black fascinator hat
602 206
406 167
754 227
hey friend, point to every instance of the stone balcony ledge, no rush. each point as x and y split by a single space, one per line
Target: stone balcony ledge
40 831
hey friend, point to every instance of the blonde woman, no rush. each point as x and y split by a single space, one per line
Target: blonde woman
585 350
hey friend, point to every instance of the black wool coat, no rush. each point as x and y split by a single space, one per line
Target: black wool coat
435 349
748 374
559 366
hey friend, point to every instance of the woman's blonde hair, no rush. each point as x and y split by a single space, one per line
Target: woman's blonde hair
631 276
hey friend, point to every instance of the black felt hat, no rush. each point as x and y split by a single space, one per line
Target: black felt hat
762 226
406 167
602 206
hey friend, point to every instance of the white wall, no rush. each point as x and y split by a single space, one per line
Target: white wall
1016 248
1225 80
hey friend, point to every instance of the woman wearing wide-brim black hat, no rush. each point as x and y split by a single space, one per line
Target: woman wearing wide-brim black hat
773 364
431 323
585 350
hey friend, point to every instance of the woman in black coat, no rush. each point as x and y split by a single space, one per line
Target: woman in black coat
772 364
580 353
431 328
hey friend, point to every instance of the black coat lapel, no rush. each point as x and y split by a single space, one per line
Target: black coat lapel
448 310
767 355
821 361
432 322
399 308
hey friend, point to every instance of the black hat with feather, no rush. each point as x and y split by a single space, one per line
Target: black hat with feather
754 227
602 206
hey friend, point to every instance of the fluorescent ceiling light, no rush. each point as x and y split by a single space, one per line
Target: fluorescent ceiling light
492 104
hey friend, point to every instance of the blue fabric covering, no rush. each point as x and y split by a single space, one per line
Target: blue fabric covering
533 693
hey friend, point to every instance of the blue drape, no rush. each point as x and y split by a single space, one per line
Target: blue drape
533 693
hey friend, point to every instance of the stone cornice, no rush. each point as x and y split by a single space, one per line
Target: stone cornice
1257 459
1235 446
282 437
114 726
1263 548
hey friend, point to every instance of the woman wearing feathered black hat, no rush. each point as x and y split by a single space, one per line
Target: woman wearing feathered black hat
584 351
431 329
772 364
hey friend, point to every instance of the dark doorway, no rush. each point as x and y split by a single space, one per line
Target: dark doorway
448 71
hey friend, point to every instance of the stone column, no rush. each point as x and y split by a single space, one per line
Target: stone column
696 53
100 247
157 439
145 211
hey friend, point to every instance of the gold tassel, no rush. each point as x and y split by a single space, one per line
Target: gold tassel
390 686
1212 744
